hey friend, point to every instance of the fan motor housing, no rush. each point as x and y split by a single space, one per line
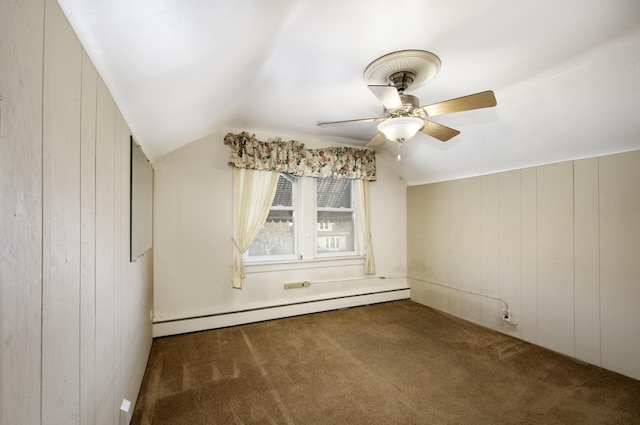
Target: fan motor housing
410 104
409 101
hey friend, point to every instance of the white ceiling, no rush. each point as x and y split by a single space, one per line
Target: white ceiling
565 73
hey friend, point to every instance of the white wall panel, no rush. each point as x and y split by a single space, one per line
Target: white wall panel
587 260
438 245
555 257
470 260
490 250
87 240
510 246
455 248
417 211
61 221
21 74
619 262
105 248
528 321
74 314
119 311
562 241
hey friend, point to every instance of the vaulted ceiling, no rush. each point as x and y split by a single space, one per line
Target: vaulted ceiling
566 74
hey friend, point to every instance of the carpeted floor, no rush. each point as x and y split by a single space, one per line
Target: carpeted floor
391 363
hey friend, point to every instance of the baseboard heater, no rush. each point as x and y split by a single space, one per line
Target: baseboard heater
232 318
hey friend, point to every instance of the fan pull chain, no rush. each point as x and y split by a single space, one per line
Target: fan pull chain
399 157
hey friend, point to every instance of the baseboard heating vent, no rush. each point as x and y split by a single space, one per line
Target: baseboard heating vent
259 314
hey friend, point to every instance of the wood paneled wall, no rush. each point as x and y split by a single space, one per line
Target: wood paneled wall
74 313
21 48
560 243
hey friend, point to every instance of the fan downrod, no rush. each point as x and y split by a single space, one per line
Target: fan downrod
402 80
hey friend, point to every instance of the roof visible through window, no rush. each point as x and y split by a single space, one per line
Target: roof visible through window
334 193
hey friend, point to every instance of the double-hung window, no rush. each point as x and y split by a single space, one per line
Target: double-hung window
278 238
335 217
309 218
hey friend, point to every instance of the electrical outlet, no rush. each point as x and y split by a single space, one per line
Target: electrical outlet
506 315
125 407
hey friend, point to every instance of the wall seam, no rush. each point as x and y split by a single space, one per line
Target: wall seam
80 233
95 238
575 343
520 333
537 262
599 269
42 180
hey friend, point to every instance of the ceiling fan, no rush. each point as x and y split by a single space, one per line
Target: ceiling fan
388 77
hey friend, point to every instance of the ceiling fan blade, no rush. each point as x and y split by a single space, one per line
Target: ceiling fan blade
485 99
389 97
377 140
439 131
339 123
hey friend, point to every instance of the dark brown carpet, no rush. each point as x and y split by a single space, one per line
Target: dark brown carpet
391 363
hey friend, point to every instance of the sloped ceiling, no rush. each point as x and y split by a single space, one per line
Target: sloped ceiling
565 73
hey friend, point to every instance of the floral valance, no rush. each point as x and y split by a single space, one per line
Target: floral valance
292 157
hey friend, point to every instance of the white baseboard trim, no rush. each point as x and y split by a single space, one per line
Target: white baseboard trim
223 320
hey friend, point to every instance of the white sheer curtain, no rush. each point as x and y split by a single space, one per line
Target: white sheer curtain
253 195
364 218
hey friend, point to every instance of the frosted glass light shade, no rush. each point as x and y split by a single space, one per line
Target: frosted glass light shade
401 128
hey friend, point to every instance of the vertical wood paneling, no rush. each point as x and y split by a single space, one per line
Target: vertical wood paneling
510 243
587 261
619 262
489 271
21 64
438 245
528 321
417 221
105 279
559 242
87 241
471 246
118 307
64 223
61 221
555 257
453 274
418 217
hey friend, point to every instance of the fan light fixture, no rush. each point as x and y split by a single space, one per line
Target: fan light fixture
400 129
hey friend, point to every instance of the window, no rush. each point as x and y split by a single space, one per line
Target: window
335 216
309 218
277 239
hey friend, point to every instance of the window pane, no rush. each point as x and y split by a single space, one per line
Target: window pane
334 193
284 192
277 236
335 231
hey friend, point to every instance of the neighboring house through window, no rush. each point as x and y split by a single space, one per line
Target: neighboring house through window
335 216
278 238
305 208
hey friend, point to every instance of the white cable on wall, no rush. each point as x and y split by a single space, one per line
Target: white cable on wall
349 279
506 304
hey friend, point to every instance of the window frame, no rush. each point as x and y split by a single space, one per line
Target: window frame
304 200
295 207
354 217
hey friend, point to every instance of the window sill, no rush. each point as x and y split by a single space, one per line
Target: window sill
274 266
